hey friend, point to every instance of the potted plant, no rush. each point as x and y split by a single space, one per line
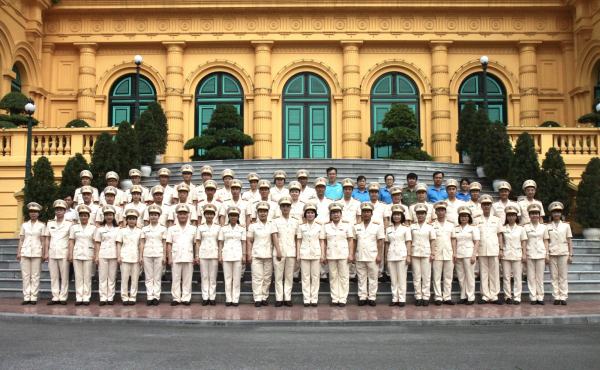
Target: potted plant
162 127
145 130
497 153
524 164
463 136
128 152
587 202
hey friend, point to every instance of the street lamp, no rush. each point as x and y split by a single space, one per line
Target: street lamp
138 61
598 111
484 63
29 109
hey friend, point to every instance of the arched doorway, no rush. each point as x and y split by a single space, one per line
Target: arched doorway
306 117
472 89
122 98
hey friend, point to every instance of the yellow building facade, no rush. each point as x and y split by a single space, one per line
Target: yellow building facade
311 79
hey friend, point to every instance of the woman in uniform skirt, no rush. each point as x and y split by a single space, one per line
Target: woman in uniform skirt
398 239
232 254
513 255
466 236
29 253
207 254
310 252
81 252
105 255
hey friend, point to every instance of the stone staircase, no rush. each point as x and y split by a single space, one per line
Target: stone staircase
584 280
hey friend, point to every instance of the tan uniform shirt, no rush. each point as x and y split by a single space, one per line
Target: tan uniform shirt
250 196
350 210
379 212
422 235
107 236
499 209
59 238
145 195
430 213
243 205
192 195
296 211
192 215
286 233
153 240
465 240
337 239
208 236
559 236
475 208
322 209
307 193
512 238
100 216
32 241
215 202
182 242
443 240
200 193
535 240
388 212
274 208
78 197
366 240
168 195
523 204
310 235
275 194
488 231
141 208
223 194
84 241
130 243
397 238
234 242
95 211
119 198
262 246
452 209
164 216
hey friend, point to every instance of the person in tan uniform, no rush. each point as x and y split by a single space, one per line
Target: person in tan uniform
136 192
445 251
514 240
538 254
367 251
153 253
135 176
29 253
105 255
338 238
128 256
232 254
561 253
466 238
224 193
310 251
81 252
529 188
86 180
253 194
180 252
490 232
207 253
56 252
421 190
158 195
473 203
235 200
210 190
398 239
183 192
286 224
452 203
297 206
164 174
423 253
264 188
499 207
351 213
306 192
396 194
110 195
112 181
381 216
279 190
85 194
207 174
187 171
261 241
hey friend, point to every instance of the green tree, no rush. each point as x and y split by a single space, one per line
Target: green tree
554 181
464 135
479 127
524 164
77 123
400 133
128 149
42 189
587 202
223 139
161 125
147 136
497 151
14 103
7 124
593 117
104 159
550 124
70 175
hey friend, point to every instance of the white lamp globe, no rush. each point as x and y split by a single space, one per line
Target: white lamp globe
484 60
598 108
30 107
137 59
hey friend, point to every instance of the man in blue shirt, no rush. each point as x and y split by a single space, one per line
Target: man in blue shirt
384 193
361 193
334 189
437 192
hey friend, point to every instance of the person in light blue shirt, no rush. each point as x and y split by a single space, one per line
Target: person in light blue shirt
437 192
334 189
464 194
361 193
384 193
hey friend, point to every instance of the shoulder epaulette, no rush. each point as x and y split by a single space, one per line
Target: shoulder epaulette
275 217
526 223
430 203
42 222
122 227
357 223
547 223
477 216
69 220
521 224
139 228
472 224
303 223
253 222
94 188
51 221
430 223
449 221
256 201
318 223
294 217
201 200
496 215
566 222
328 222
522 199
356 199
347 222
329 198
412 204
242 225
219 200
375 222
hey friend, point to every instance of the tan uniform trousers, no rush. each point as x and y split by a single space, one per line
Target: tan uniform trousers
129 271
466 278
338 280
535 278
367 271
324 271
352 270
296 270
310 280
514 268
284 278
83 280
398 271
59 278
559 268
31 268
208 278
231 270
107 278
181 286
421 270
489 278
262 272
153 269
442 270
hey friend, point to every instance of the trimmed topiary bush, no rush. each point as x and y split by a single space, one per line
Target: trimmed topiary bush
554 181
162 127
70 174
550 124
466 121
524 164
400 134
104 159
41 188
77 123
6 124
23 121
14 103
497 151
587 202
593 117
128 150
147 136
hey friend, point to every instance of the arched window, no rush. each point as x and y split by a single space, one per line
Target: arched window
15 85
215 89
472 89
389 89
597 88
122 98
306 117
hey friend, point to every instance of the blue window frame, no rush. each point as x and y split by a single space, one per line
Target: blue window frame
15 85
472 89
122 98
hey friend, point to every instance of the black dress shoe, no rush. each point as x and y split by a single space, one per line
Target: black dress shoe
372 303
78 303
333 304
149 303
516 303
541 303
33 303
110 303
125 303
155 302
393 303
174 303
324 280
381 279
234 304
438 303
226 304
63 303
563 303
533 302
482 301
401 304
278 303
419 302
103 303
354 279
257 304
52 303
212 302
509 301
469 303
449 303
425 303
556 303
307 305
24 303
288 303
497 302
185 303
205 302
264 303
296 280
86 303
313 304
342 304
362 302
462 301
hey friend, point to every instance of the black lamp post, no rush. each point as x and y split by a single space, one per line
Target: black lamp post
29 109
484 63
138 61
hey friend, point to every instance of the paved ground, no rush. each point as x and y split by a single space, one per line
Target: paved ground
28 345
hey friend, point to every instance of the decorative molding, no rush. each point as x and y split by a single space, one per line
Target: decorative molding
393 50
491 51
306 50
128 51
212 51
